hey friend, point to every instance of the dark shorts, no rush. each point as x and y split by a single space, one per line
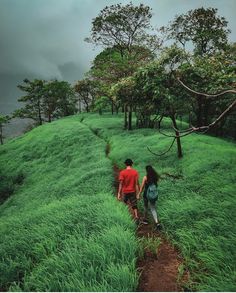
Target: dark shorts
131 197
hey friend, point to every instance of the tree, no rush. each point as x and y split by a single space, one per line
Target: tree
3 121
210 74
123 27
124 90
125 33
65 98
49 99
222 115
32 100
202 28
161 92
109 67
86 90
100 104
46 99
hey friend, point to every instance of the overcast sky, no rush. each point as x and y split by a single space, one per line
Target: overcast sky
45 38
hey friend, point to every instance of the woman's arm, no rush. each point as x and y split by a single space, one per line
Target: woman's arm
142 186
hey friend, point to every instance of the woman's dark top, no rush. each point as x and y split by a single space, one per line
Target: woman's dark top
146 186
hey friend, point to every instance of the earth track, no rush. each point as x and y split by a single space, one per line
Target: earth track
158 268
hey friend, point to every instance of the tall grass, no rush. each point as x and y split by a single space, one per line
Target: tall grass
61 229
198 209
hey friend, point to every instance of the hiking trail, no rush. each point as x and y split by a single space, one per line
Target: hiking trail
158 268
159 271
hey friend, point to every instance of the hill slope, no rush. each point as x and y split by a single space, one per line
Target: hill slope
197 195
61 229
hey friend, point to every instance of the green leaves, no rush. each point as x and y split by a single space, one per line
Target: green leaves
203 28
123 26
46 99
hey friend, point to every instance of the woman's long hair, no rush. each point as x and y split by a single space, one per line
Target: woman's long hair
152 175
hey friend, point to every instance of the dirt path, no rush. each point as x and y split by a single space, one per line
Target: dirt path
159 267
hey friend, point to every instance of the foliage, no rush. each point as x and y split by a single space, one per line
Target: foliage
123 27
124 90
51 99
86 89
59 99
32 100
158 94
109 67
101 103
201 27
209 74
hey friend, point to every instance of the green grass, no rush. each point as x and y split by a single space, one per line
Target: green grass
197 210
61 228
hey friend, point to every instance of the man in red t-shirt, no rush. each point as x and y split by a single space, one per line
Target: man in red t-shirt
129 186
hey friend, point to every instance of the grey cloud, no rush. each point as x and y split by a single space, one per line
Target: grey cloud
45 38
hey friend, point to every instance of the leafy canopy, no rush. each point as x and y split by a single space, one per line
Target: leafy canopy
201 27
123 27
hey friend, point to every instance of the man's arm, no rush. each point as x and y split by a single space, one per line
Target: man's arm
119 190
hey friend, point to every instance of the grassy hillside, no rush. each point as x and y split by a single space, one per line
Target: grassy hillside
198 209
61 229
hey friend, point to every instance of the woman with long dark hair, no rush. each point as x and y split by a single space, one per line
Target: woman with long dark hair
149 179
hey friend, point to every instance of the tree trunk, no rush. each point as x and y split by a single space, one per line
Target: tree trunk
117 109
130 118
179 147
125 117
39 113
86 106
112 107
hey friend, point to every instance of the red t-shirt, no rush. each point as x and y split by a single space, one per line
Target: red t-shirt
129 178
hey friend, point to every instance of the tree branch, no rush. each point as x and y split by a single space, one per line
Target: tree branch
232 91
163 152
217 120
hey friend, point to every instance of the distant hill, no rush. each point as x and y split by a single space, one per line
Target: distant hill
16 127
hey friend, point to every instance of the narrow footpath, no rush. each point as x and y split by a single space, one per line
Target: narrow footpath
159 267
